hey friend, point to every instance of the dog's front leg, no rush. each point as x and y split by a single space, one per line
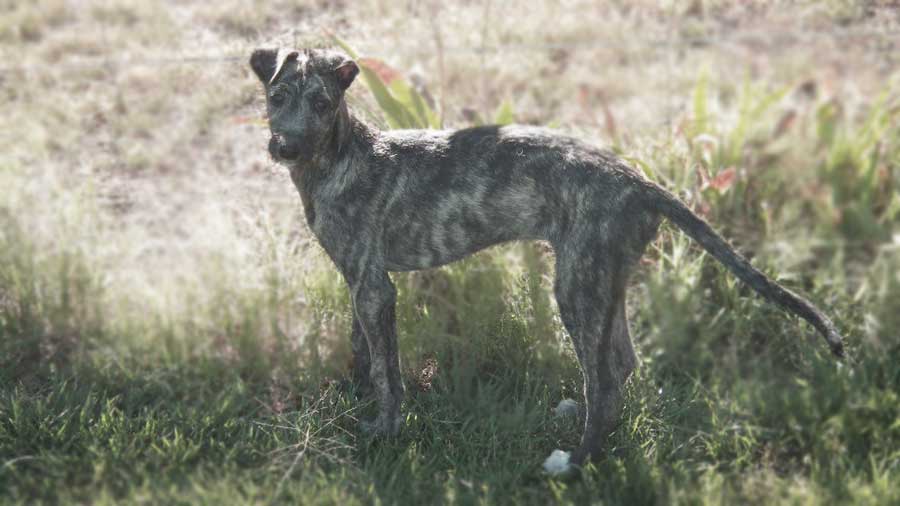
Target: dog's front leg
374 298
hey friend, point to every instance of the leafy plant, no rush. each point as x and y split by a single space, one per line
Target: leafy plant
719 146
402 105
860 166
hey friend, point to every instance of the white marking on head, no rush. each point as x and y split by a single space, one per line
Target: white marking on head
284 55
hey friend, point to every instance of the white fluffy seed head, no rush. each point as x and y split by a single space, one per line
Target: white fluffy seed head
566 408
557 463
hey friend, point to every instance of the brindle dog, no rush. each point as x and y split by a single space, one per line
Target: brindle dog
405 200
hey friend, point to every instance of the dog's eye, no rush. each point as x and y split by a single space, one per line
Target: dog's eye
278 98
321 105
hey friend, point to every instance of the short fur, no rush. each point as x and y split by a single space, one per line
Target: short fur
414 199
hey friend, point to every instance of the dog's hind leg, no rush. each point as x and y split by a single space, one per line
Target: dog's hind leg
591 279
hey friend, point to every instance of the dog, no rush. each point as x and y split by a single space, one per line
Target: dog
404 200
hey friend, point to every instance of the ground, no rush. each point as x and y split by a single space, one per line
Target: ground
171 334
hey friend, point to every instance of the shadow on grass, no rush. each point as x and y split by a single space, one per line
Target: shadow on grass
94 423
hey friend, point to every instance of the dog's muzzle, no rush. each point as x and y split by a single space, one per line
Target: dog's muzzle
283 150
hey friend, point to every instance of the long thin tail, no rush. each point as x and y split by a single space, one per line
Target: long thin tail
672 208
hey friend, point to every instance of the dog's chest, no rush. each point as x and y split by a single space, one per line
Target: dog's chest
341 227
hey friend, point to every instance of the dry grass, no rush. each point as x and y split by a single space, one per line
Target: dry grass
174 153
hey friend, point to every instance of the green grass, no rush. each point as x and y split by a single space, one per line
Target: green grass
170 335
717 413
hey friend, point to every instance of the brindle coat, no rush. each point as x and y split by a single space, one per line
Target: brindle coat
415 199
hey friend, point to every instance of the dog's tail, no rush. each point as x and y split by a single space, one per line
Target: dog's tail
672 208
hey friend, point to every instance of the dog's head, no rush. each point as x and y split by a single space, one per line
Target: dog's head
304 98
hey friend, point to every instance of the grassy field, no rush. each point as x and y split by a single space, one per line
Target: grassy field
170 333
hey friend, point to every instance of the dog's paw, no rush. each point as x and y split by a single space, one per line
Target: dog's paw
566 408
557 464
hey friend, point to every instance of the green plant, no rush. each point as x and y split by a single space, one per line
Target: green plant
861 168
723 151
401 104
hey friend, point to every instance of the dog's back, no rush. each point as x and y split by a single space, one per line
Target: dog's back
442 195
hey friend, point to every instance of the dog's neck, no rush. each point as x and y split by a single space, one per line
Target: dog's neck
350 138
343 132
347 130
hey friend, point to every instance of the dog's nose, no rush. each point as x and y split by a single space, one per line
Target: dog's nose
279 148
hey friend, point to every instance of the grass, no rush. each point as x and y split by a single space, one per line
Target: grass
171 334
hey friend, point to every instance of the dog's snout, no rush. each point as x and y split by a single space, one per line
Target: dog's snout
280 148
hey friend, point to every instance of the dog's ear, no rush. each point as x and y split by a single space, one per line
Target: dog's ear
263 63
267 63
346 72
